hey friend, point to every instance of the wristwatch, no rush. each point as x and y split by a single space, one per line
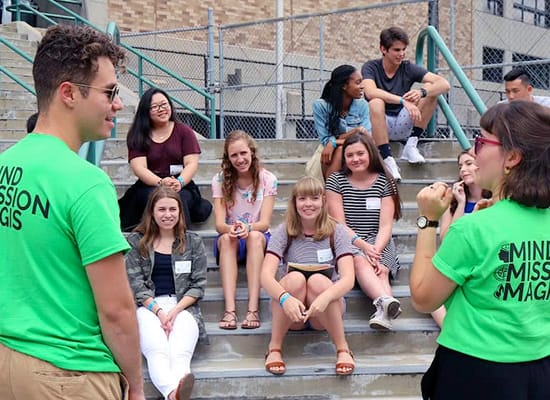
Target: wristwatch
423 92
423 222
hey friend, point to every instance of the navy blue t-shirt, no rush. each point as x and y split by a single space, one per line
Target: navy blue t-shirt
162 275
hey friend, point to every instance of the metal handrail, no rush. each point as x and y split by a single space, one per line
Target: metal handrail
10 74
211 118
436 41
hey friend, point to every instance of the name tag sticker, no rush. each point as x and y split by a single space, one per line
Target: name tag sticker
183 267
372 203
324 255
176 169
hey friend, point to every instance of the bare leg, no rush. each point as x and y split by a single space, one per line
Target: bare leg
335 163
427 107
228 269
332 318
295 284
439 315
377 109
255 245
370 283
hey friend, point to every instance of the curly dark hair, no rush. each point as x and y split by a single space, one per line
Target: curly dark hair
333 94
523 127
69 53
230 175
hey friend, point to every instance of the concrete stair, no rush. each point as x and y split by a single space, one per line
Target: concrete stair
389 365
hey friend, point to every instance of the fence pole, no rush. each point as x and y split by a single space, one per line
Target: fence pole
222 123
321 53
279 72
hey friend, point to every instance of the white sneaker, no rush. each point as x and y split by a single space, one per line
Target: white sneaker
411 153
380 321
392 167
391 306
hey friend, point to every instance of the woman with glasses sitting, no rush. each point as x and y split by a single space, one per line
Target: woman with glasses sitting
161 152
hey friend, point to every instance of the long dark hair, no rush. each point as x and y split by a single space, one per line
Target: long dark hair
524 127
149 228
333 94
138 135
375 165
485 194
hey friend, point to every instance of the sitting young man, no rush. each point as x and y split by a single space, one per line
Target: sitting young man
396 111
517 86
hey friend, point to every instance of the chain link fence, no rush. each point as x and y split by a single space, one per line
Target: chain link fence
266 74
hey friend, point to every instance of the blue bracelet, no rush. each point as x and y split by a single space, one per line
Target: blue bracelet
151 305
401 101
354 238
180 180
283 298
333 141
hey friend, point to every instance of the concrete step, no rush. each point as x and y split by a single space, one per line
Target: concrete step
212 149
292 168
17 64
358 305
374 377
17 104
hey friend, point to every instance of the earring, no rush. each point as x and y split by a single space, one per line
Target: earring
507 171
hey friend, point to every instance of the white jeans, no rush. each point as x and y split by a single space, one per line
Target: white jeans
168 358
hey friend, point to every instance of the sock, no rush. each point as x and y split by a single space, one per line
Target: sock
385 150
417 131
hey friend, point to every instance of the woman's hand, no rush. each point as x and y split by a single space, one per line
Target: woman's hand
318 306
171 182
326 155
166 322
239 230
371 253
294 309
458 192
433 200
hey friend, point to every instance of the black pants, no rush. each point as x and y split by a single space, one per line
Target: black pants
457 376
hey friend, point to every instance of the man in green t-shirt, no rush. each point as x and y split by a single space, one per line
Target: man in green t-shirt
68 326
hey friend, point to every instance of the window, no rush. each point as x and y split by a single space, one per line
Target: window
492 56
495 7
539 73
536 12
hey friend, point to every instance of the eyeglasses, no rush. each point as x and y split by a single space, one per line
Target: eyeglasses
111 93
157 107
480 140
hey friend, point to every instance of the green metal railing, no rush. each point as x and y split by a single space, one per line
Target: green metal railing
11 75
435 41
93 152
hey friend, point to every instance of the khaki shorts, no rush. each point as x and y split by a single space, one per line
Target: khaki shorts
23 377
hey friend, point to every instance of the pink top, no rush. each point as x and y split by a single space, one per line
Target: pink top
243 208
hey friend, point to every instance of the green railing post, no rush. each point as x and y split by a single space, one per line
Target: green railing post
431 33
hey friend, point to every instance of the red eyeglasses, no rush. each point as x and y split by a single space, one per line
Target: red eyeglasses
480 140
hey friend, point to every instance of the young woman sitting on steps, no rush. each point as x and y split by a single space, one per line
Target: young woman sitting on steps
244 195
317 254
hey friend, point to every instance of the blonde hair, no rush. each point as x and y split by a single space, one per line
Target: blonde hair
324 225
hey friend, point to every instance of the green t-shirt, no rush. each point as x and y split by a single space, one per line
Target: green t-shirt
58 213
500 259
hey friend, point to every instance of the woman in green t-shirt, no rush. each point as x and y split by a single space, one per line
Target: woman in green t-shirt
492 271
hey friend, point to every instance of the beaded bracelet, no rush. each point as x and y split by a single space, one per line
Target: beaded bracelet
157 312
354 238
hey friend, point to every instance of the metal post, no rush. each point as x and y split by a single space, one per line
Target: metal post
279 72
452 49
321 53
222 127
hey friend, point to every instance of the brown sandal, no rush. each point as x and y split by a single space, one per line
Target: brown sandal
269 367
340 366
229 320
252 320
